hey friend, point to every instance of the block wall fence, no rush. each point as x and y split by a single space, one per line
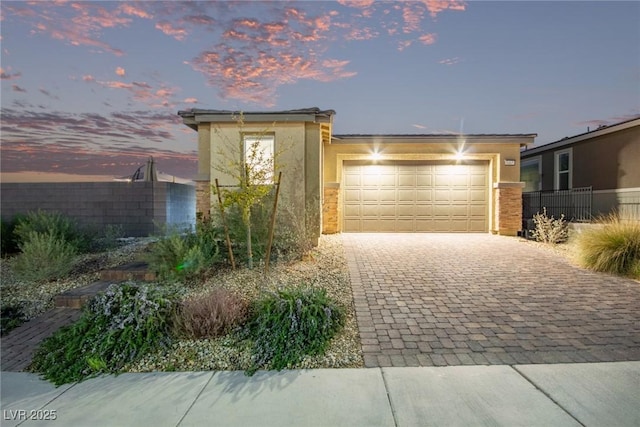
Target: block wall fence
140 208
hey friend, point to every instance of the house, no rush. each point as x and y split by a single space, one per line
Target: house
372 183
606 159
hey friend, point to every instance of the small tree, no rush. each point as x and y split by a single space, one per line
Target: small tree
252 168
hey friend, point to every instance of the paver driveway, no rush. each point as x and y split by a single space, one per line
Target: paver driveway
458 299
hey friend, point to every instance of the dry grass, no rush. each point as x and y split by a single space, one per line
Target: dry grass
211 315
613 247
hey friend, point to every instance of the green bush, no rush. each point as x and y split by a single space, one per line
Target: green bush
9 244
548 229
289 324
44 256
11 316
56 224
179 256
210 315
118 326
611 247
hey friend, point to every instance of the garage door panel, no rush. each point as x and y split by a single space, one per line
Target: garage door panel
387 225
442 195
406 181
459 211
369 195
351 210
352 196
388 210
387 180
476 211
478 180
460 195
416 197
405 225
406 195
479 196
423 210
424 180
370 210
405 210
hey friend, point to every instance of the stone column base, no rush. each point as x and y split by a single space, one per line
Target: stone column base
330 208
508 196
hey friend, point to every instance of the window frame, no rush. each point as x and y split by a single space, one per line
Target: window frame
270 138
528 162
568 171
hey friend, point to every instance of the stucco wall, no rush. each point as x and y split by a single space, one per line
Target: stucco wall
298 157
136 206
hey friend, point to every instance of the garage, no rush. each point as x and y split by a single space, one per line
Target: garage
407 196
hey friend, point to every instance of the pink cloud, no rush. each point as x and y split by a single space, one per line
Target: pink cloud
428 38
167 28
436 6
190 101
120 71
129 9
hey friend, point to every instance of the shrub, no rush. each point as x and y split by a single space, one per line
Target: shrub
289 324
54 223
289 241
9 244
550 230
44 256
184 256
612 247
11 316
118 326
210 315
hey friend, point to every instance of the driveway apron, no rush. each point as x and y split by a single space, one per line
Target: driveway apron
479 299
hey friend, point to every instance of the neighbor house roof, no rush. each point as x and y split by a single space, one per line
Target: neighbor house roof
194 116
602 130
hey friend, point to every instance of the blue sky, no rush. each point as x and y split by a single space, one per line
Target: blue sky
92 89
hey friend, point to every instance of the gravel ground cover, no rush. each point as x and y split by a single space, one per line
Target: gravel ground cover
33 299
324 267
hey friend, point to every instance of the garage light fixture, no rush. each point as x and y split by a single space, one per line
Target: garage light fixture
376 156
459 155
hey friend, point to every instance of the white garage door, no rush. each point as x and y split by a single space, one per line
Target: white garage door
415 197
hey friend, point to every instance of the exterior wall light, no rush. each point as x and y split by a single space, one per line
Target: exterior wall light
459 155
376 156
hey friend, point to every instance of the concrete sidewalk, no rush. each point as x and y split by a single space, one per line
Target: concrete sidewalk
590 394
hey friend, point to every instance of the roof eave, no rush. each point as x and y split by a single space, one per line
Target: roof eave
582 137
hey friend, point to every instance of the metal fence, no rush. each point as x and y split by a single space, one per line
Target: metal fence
574 204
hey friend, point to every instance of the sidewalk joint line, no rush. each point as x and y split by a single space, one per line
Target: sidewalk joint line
196 399
558 404
386 389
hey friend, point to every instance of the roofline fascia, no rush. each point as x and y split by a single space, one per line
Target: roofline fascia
413 138
193 118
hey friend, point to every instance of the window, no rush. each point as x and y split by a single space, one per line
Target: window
259 158
531 173
562 178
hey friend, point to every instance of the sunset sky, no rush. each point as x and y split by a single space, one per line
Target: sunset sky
91 89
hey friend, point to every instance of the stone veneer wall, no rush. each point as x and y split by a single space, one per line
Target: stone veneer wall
203 198
140 208
509 208
330 208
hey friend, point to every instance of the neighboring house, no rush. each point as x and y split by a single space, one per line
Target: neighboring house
606 159
372 183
